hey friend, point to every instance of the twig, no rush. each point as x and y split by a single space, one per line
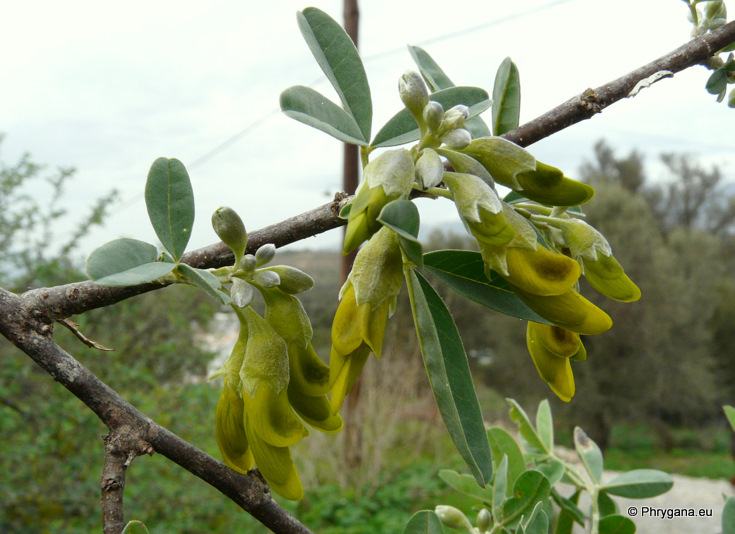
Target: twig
31 333
74 329
593 101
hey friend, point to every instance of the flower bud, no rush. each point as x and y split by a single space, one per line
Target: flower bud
457 139
453 517
248 262
715 10
265 254
429 169
230 229
414 93
433 113
293 280
484 520
455 117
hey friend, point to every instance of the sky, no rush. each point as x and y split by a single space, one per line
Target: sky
109 87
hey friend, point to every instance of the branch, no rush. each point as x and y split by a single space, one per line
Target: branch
593 101
132 432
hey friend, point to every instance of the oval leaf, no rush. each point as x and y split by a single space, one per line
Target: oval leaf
503 445
450 377
506 98
339 59
424 522
170 202
205 280
728 516
640 484
125 262
314 109
402 216
464 271
616 524
520 418
468 485
529 490
589 453
402 128
545 424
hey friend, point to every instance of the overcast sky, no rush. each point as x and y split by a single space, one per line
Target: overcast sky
109 87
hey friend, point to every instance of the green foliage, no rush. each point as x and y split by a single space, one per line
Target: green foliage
534 500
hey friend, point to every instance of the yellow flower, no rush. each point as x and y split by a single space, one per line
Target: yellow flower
551 348
367 299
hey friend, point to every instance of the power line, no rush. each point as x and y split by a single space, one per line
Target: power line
380 55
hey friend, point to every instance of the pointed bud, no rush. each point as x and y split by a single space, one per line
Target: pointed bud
453 517
457 139
433 113
230 229
414 94
265 254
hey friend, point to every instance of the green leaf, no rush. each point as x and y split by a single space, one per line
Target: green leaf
402 128
314 109
728 516
589 453
502 445
545 424
170 202
616 524
717 82
506 98
570 512
519 416
402 216
552 469
125 262
450 377
339 59
538 522
205 280
467 485
464 271
530 489
501 488
606 504
730 414
424 522
432 73
640 484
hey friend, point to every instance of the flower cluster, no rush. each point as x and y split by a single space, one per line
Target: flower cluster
536 241
274 382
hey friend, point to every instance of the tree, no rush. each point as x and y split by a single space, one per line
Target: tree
30 316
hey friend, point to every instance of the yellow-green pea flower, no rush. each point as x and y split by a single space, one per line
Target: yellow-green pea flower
551 348
255 422
309 376
367 299
590 248
569 310
388 177
479 208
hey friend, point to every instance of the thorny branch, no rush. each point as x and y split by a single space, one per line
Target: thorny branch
27 319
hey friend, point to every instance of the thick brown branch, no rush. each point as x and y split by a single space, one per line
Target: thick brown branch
132 432
593 101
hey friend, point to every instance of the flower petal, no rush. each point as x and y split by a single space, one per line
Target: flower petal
607 276
344 372
277 467
270 415
315 411
230 431
556 371
557 340
540 271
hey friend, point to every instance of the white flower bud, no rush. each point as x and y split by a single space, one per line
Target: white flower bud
457 139
248 262
266 278
433 113
429 169
414 93
455 117
241 293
